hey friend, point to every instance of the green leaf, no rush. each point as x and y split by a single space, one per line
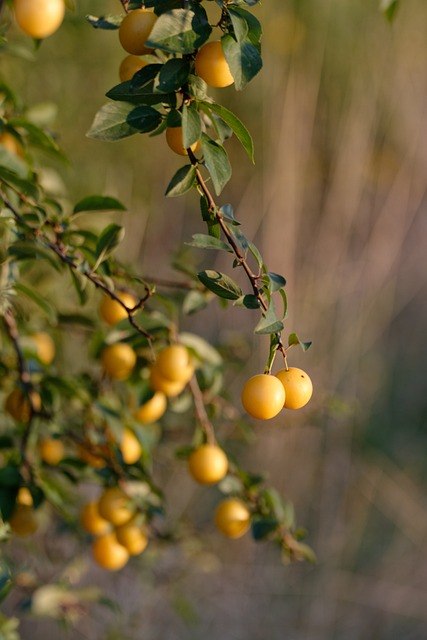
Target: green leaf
238 128
389 8
253 26
182 181
256 254
99 203
10 476
7 500
240 26
180 30
191 126
285 303
243 58
33 250
276 281
227 213
111 122
38 299
36 135
117 120
269 323
105 22
25 187
80 284
294 340
197 88
144 118
249 301
109 239
220 284
173 75
203 241
217 163
262 527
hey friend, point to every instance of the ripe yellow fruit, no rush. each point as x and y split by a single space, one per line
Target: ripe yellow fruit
208 464
91 521
109 553
18 406
174 140
133 537
130 447
298 387
232 518
118 360
95 461
115 506
45 347
24 497
212 66
129 66
112 311
135 30
167 387
9 142
262 397
39 18
153 409
23 520
51 450
174 364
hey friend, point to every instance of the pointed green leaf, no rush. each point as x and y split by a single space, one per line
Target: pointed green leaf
249 301
180 30
203 241
109 239
269 323
111 122
105 22
276 281
173 75
182 181
99 203
238 128
191 126
217 163
80 283
220 284
243 58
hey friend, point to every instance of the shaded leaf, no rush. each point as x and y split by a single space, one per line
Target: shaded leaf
220 284
105 22
243 58
238 128
191 126
173 74
180 30
109 239
182 181
269 323
263 527
99 203
249 301
217 163
111 122
203 241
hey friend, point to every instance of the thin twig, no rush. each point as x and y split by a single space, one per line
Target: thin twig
60 251
200 409
215 211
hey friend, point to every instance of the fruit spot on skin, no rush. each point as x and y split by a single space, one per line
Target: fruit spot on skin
298 387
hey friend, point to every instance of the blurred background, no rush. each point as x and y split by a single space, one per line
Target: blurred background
337 202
